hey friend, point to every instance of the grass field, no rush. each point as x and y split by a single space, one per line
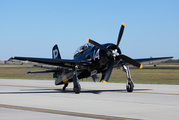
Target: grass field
148 75
19 72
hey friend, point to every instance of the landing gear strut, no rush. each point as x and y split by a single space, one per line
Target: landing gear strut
129 84
77 87
65 85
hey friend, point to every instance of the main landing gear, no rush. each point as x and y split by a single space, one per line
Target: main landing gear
76 87
129 84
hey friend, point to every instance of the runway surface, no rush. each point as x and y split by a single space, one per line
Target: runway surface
41 99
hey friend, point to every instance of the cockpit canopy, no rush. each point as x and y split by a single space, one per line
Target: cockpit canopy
82 49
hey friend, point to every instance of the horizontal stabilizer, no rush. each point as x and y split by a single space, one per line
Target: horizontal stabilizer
43 72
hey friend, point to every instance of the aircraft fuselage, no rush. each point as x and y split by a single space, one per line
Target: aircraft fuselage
98 57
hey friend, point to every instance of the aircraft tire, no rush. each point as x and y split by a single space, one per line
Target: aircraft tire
77 89
129 87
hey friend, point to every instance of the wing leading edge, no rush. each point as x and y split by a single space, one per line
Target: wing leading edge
53 62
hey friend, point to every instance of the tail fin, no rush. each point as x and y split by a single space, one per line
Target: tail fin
55 53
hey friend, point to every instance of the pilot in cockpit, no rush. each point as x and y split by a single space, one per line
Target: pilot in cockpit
83 48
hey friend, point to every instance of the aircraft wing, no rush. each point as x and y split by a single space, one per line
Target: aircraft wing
148 61
49 63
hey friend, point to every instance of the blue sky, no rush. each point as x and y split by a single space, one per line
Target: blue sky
32 27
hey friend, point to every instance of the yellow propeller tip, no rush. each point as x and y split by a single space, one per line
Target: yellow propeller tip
105 82
141 66
87 39
123 24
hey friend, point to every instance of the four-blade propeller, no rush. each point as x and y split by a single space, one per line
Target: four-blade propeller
114 53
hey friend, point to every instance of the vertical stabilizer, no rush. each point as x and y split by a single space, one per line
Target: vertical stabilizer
56 53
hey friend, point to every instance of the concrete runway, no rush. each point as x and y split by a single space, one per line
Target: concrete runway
41 99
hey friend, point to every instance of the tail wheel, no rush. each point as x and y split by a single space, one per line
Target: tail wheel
66 85
129 87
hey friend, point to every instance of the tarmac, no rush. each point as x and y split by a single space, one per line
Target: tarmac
41 99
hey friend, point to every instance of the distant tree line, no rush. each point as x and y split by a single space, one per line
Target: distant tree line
172 61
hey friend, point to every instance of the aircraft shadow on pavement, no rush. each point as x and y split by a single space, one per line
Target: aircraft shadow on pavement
31 91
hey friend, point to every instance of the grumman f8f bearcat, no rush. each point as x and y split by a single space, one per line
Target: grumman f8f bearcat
89 60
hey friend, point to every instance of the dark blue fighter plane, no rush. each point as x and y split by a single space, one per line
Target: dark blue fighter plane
89 60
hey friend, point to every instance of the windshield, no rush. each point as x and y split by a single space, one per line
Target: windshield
82 48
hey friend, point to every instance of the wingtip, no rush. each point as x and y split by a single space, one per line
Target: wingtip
105 82
11 58
29 73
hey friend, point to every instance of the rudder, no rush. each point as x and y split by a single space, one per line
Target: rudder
56 53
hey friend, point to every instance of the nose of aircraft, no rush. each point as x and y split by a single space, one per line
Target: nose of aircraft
115 54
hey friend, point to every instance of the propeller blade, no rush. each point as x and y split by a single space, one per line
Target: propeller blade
131 61
108 71
97 44
120 34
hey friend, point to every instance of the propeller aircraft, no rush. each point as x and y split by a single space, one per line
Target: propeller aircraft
89 60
